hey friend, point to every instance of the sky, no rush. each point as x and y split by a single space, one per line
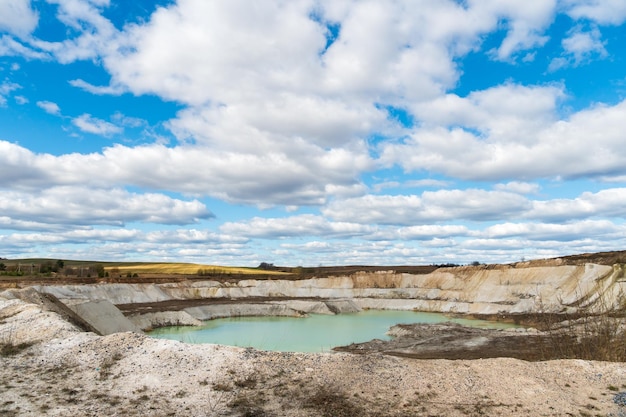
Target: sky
312 132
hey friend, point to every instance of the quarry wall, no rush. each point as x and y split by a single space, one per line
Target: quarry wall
462 289
478 290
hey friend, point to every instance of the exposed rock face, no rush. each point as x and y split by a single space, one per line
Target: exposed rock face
472 290
163 319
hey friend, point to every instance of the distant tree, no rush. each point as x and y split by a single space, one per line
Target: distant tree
3 267
475 263
59 265
98 270
47 267
266 266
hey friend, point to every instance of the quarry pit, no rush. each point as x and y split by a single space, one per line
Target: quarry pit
84 351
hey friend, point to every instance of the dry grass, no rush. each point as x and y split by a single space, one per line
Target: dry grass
596 337
9 344
595 333
181 268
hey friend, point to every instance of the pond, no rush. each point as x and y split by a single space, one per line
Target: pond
315 333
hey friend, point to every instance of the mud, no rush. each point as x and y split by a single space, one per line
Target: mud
453 341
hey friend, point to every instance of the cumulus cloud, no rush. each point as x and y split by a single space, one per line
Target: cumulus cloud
422 232
87 206
604 203
519 187
525 22
89 124
475 205
191 236
602 11
538 147
95 34
251 178
49 107
472 204
302 225
579 47
17 17
597 229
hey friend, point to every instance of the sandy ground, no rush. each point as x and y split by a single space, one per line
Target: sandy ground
71 373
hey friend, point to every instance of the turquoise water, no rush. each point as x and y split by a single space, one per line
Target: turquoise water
315 333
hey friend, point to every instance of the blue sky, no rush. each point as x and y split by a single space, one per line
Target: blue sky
312 132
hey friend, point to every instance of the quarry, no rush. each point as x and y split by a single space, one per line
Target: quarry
82 348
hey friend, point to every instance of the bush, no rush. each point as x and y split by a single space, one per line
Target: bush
590 335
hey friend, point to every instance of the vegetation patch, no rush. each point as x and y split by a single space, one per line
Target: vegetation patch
332 402
10 349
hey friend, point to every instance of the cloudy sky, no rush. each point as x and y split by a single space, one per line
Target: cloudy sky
312 132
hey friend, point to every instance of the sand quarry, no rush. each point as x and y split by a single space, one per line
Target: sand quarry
57 369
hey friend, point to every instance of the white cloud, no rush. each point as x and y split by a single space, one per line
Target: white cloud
421 232
602 11
579 47
519 187
192 236
96 34
5 89
472 204
20 100
596 229
533 144
49 107
98 90
11 47
512 112
581 44
87 206
17 17
251 178
422 213
605 203
294 226
90 124
525 22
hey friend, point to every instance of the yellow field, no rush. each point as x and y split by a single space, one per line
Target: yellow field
182 268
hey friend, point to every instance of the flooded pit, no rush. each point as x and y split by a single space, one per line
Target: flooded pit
315 333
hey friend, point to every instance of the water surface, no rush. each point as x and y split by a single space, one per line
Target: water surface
315 333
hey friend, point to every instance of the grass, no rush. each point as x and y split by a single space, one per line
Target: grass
181 268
